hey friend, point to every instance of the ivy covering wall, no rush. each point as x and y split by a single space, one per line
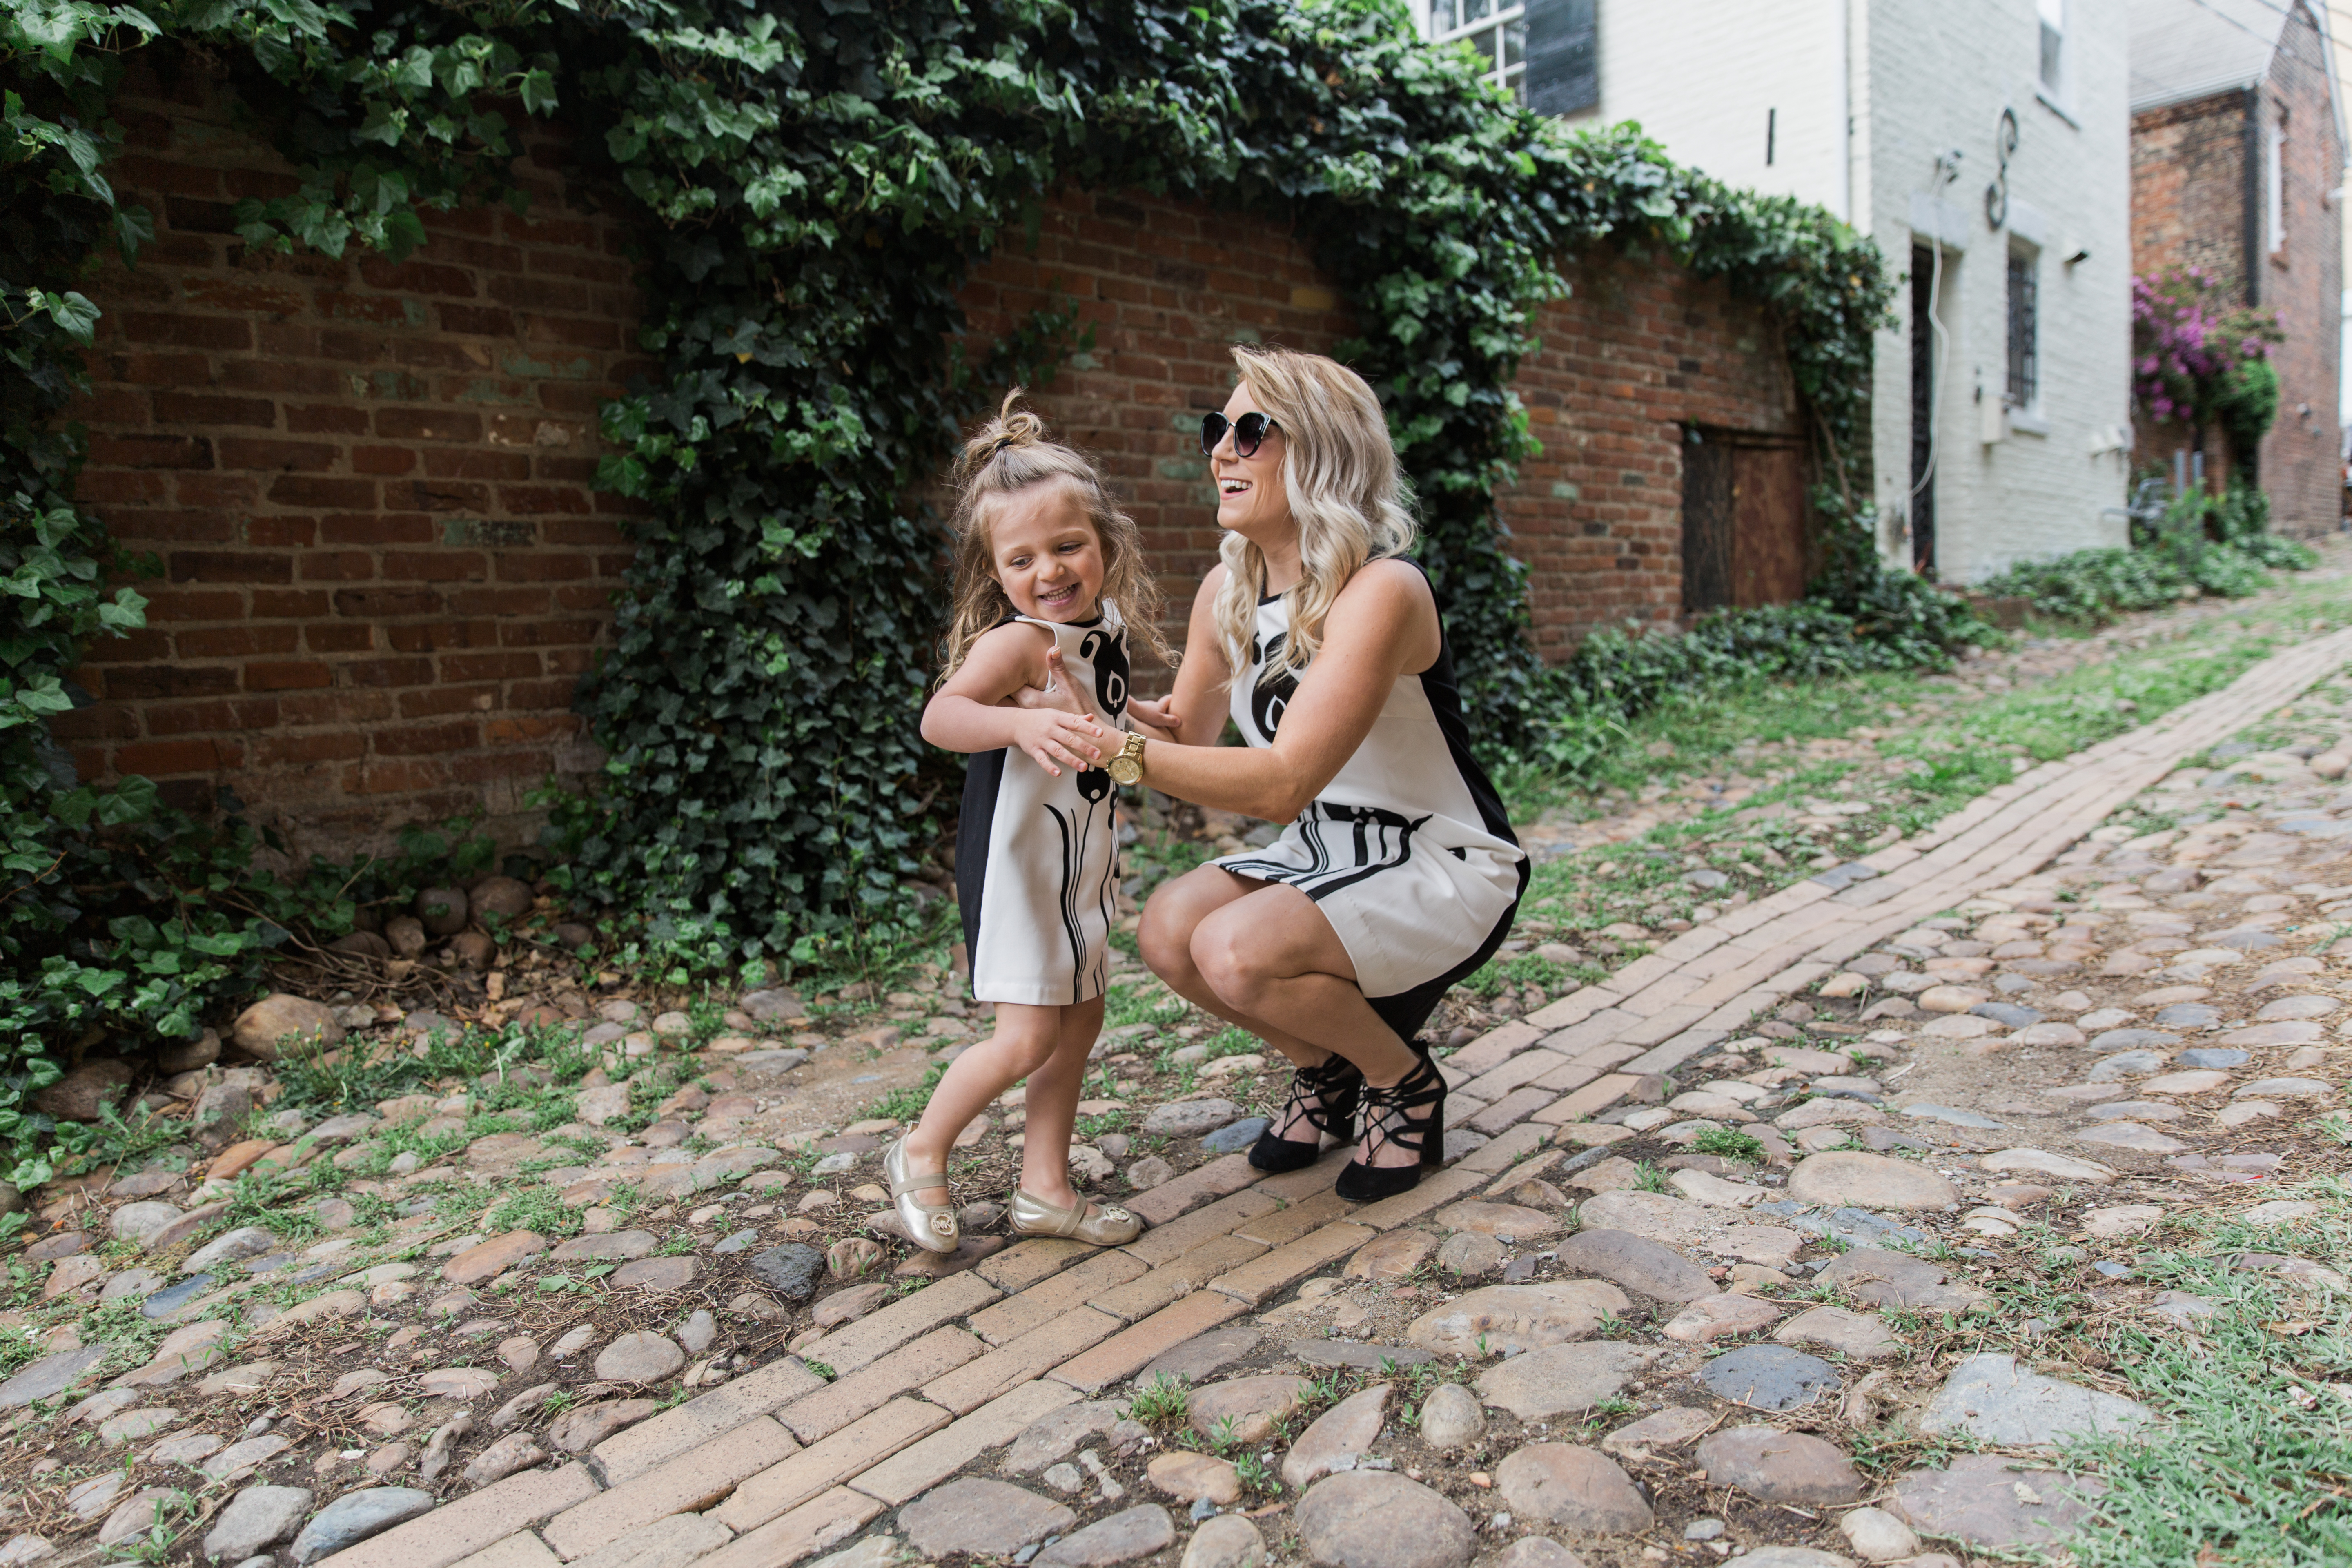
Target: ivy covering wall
813 181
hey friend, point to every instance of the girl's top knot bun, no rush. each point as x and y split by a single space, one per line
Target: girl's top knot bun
1011 429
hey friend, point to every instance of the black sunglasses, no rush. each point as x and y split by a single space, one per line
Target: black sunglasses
1249 432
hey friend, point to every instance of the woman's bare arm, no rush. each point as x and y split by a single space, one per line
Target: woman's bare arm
1384 625
1203 679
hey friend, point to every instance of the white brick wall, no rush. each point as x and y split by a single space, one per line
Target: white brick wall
1936 78
1868 93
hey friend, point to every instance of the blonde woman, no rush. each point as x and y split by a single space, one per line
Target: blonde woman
1398 874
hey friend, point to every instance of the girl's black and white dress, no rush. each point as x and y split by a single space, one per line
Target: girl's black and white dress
1407 852
1037 857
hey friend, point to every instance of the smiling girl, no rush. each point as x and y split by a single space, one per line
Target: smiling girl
1045 564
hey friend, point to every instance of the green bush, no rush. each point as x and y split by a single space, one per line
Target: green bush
1888 620
2194 544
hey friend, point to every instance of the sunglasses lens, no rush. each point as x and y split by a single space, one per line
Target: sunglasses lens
1249 433
1212 431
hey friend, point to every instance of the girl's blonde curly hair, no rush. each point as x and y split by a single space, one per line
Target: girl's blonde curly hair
1010 454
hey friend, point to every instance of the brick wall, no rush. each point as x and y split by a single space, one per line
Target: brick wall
2303 281
2189 163
1634 353
384 567
2190 187
369 488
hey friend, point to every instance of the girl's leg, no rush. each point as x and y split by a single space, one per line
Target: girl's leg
1055 1090
1026 1037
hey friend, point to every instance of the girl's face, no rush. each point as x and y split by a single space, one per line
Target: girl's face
1251 499
1046 554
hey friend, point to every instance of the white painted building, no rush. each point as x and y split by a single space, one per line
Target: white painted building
1985 144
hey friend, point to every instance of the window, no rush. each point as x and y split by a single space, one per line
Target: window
2274 190
2053 46
1498 30
2024 347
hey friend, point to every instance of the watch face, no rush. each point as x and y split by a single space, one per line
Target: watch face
1125 770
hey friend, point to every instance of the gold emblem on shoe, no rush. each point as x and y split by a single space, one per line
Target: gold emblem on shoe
1097 1225
932 1226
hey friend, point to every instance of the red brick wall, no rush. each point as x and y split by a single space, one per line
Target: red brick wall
1631 353
2190 208
369 484
1165 287
1635 352
2188 187
2304 284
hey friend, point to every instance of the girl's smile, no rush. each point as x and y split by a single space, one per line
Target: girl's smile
1046 554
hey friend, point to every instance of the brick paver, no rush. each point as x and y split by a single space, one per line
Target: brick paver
843 1400
687 1484
1001 1370
459 1528
924 1464
855 1449
803 1533
1015 1316
524 1551
636 1449
1261 1276
1124 1354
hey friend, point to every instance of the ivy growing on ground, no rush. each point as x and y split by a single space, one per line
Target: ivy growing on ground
813 183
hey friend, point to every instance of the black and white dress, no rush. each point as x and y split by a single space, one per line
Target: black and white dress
1407 852
1036 856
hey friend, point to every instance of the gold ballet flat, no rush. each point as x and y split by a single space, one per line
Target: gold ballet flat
1094 1223
932 1226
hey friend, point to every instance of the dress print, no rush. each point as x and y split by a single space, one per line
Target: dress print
1036 856
1407 852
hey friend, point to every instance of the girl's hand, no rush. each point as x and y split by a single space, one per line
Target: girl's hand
1159 712
1058 740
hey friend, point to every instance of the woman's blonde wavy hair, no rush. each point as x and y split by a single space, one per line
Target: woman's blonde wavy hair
1012 453
1348 494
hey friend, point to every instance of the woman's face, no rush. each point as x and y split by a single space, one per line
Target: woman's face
1251 499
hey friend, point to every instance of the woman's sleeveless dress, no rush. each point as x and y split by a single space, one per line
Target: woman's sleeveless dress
1407 852
1037 857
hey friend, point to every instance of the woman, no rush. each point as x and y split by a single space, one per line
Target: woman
1398 874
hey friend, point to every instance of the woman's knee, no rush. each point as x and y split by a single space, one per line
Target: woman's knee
1229 962
1165 936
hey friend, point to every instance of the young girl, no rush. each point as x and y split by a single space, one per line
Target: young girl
1043 561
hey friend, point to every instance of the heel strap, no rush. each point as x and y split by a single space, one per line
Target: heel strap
1389 1113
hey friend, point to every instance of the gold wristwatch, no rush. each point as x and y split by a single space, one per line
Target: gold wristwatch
1125 766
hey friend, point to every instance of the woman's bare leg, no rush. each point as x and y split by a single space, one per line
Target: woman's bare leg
1262 956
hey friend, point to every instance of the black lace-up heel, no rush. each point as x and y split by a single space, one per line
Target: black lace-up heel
1411 1114
1326 1097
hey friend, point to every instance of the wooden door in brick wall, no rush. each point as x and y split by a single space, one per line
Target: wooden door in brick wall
1744 533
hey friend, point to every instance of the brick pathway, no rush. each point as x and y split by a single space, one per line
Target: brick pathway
779 1464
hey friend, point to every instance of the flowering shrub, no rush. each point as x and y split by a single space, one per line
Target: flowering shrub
2195 358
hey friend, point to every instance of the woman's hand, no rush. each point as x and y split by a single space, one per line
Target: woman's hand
1058 740
1058 695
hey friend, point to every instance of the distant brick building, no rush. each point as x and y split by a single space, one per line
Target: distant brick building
2238 151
